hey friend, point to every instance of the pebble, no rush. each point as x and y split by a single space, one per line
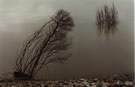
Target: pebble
70 83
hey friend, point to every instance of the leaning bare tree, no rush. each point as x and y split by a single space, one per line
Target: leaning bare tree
47 45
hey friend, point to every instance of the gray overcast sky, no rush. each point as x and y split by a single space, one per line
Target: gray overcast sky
91 53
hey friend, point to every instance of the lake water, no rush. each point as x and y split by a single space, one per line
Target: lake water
92 54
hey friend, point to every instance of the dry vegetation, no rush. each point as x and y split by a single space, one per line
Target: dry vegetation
45 46
107 19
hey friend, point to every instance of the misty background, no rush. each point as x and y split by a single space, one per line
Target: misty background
92 54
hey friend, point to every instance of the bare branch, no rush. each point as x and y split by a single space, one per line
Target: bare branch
46 45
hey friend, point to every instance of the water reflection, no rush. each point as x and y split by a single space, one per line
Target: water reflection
107 20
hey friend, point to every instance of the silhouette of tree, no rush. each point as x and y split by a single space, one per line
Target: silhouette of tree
107 19
47 45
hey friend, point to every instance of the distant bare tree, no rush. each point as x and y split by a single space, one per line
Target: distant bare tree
47 45
107 19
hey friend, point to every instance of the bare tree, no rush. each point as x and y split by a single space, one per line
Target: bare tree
47 45
107 19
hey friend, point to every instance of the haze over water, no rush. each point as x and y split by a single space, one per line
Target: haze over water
92 54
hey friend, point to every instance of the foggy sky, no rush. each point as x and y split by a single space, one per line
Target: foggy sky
91 54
